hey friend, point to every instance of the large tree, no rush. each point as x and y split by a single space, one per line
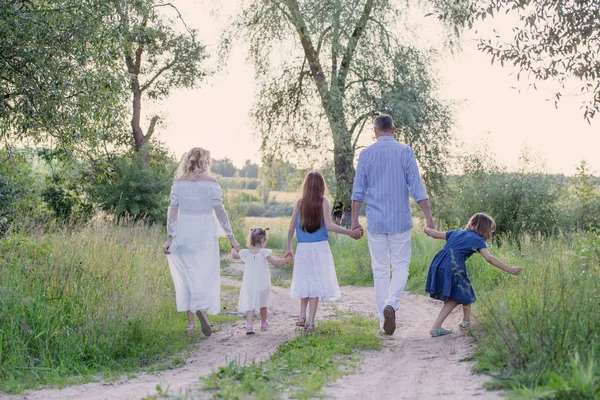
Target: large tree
160 54
553 40
69 67
60 78
337 64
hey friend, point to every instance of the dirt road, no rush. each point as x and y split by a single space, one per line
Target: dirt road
411 366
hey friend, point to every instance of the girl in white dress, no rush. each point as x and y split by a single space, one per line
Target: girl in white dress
255 293
195 215
314 276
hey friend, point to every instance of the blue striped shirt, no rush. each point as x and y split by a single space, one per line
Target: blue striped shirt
386 171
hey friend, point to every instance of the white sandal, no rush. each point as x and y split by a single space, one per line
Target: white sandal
191 328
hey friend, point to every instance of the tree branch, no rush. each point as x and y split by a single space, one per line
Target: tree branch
358 135
309 49
353 43
191 32
158 74
150 131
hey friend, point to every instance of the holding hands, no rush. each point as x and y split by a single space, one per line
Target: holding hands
357 230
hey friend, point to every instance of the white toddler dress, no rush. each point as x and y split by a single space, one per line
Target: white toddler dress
256 284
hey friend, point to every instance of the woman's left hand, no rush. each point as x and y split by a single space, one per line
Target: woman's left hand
234 244
167 246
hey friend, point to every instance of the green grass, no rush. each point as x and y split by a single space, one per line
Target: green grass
75 306
301 367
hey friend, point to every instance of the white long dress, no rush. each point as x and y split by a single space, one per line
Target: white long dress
196 215
256 284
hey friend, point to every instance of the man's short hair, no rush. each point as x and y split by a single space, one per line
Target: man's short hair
384 123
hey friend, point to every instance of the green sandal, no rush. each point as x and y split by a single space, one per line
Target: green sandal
464 325
437 332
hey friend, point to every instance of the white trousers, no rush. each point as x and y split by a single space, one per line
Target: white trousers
386 248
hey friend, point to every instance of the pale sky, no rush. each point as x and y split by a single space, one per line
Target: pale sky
490 106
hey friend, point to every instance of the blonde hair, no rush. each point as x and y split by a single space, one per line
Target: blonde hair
195 161
256 237
482 224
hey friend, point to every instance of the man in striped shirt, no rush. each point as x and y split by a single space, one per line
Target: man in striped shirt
386 171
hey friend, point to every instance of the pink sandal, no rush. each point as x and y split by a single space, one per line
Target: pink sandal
249 330
264 326
301 321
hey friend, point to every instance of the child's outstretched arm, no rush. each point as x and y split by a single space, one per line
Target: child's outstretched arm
278 262
355 234
235 254
435 234
292 231
497 263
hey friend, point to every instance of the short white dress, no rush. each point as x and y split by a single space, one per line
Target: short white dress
256 284
314 272
196 220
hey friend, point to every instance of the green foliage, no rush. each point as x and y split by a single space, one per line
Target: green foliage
19 189
552 39
223 167
583 200
346 66
126 188
61 73
75 302
249 170
518 202
531 327
318 358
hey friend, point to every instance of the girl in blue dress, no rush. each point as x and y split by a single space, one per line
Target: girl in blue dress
447 279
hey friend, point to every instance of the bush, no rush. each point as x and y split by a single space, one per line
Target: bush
124 187
19 189
518 202
66 198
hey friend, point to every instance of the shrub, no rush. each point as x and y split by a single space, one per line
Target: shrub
124 187
19 189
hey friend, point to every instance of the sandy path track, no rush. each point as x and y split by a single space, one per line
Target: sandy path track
411 365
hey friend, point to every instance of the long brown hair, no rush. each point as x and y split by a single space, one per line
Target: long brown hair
311 205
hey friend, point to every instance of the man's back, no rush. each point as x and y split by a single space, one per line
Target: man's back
386 171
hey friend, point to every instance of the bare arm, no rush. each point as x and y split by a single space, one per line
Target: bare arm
424 204
435 234
292 231
278 262
329 222
355 213
497 263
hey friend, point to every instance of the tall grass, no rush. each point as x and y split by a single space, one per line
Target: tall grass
540 331
84 300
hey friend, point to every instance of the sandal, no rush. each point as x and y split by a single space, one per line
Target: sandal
437 332
464 325
204 324
301 321
264 326
309 328
191 328
249 330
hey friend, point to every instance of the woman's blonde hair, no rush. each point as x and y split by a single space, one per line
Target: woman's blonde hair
256 237
482 224
196 160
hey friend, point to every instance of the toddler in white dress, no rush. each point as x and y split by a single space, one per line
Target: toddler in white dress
255 293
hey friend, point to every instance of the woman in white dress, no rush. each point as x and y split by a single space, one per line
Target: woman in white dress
195 221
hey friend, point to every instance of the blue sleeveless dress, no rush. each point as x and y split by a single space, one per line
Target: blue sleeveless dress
447 278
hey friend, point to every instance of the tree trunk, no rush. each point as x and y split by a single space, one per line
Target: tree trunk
343 158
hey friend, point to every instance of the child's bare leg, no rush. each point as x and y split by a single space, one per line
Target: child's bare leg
444 312
191 320
249 317
466 313
263 314
303 305
313 302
